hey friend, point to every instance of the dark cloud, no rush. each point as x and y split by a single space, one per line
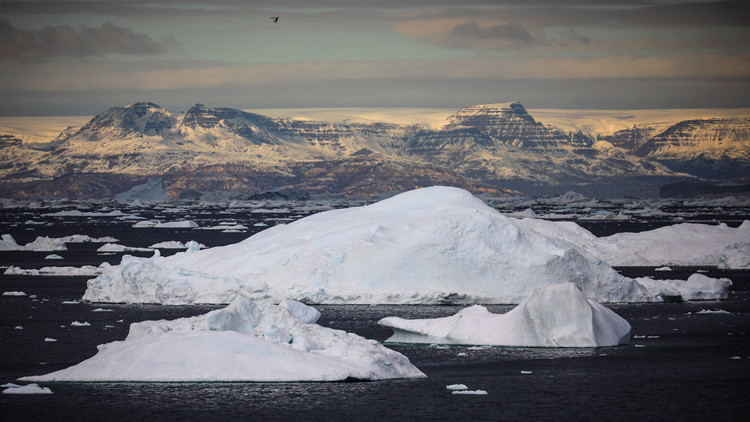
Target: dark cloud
65 41
512 32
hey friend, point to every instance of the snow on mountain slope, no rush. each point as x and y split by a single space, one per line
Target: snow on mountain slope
498 145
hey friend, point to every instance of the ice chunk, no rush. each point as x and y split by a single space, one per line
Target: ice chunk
556 315
186 224
696 287
152 190
14 293
26 389
457 387
246 341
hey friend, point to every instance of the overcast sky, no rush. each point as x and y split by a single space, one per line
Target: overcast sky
81 57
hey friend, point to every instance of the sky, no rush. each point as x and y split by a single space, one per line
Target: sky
80 57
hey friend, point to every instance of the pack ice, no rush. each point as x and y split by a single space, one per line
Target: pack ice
555 315
426 246
246 341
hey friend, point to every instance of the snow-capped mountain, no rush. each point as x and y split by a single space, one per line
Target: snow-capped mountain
710 148
488 148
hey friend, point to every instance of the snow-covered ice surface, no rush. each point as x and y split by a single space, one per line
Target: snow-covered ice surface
556 315
686 244
246 341
427 246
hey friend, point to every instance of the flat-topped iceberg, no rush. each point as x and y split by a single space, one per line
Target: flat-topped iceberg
556 315
426 246
246 341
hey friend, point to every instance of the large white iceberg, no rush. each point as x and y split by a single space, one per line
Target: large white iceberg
246 341
553 316
431 245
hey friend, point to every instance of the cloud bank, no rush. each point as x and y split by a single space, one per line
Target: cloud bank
65 41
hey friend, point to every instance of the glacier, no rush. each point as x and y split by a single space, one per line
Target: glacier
426 246
555 315
246 341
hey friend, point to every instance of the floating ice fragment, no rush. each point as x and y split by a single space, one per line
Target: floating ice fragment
27 389
526 372
471 392
80 324
245 341
555 315
14 293
53 256
457 387
50 340
707 311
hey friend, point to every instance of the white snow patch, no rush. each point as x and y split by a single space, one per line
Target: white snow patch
556 315
246 341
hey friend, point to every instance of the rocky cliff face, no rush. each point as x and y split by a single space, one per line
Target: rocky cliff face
483 148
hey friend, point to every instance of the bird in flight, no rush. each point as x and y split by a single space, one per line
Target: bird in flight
275 19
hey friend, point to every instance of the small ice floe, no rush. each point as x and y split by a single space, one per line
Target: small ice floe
457 387
18 327
86 270
639 345
53 256
80 324
261 224
14 293
709 311
462 354
526 372
735 357
185 224
25 389
101 310
50 340
70 302
471 392
663 269
115 247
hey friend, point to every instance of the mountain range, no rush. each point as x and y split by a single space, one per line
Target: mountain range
497 148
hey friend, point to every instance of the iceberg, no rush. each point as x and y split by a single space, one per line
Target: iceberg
556 315
685 244
245 341
426 246
152 190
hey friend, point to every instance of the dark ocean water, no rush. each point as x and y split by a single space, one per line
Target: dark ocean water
680 365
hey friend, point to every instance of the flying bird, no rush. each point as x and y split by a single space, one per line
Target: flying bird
275 19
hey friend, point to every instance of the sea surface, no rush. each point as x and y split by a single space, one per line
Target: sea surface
686 361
